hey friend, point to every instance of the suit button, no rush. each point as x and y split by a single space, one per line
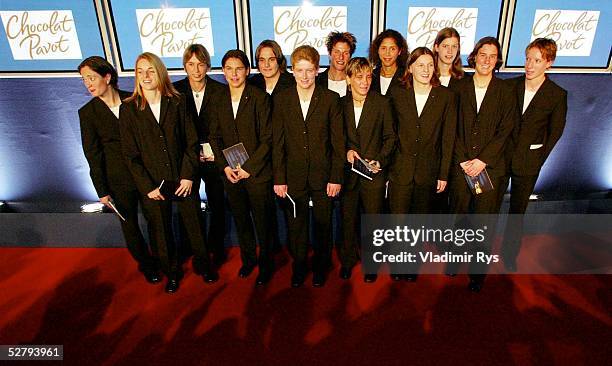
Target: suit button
417 140
474 133
415 154
418 126
304 132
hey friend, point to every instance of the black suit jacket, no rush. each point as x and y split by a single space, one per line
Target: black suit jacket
310 153
425 143
397 79
252 127
167 150
485 134
541 124
285 80
102 147
373 139
201 120
323 78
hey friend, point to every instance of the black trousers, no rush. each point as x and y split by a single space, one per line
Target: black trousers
299 227
371 200
159 217
411 198
520 190
215 196
246 198
486 207
127 200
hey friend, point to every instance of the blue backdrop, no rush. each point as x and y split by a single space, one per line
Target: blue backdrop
41 158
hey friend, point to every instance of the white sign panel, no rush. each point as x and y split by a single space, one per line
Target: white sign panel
295 26
573 30
41 34
167 32
425 22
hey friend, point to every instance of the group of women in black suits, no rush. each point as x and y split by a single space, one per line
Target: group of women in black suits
419 139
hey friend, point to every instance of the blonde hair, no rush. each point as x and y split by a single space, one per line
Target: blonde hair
164 85
358 64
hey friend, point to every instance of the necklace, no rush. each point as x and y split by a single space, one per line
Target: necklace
197 92
482 85
358 101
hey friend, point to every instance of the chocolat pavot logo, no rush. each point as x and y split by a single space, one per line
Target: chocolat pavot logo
424 23
295 26
572 30
41 34
167 32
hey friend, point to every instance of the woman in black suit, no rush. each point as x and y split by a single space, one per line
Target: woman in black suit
99 120
308 159
160 144
198 89
487 118
426 123
272 65
388 54
370 136
449 68
273 77
242 115
447 56
543 108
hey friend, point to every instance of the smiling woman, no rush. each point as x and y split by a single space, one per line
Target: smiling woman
160 145
241 115
99 121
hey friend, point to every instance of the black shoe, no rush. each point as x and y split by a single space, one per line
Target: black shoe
172 286
318 279
396 277
263 277
370 278
510 264
210 276
152 276
297 279
245 271
475 286
345 272
411 277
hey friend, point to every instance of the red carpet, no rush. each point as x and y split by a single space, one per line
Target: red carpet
95 303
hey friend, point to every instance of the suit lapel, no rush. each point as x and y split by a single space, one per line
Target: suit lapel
244 99
520 94
313 103
541 93
489 100
349 109
471 94
104 110
165 101
413 113
294 106
431 99
206 97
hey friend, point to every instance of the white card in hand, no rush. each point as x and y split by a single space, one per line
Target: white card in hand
535 147
207 151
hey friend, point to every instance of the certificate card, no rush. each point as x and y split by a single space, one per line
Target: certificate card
480 183
236 155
